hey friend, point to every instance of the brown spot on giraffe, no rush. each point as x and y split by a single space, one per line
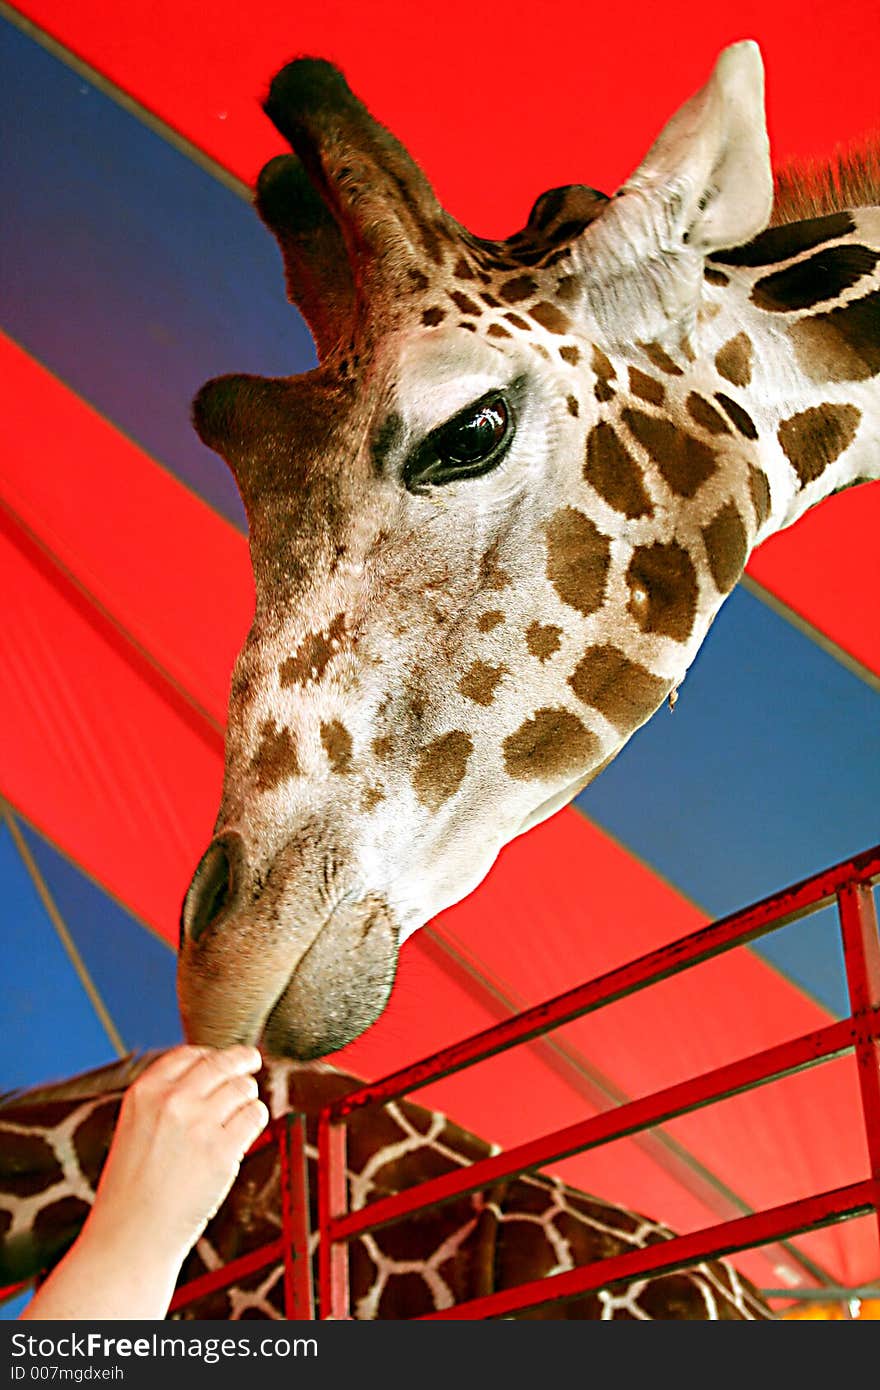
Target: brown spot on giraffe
603 391
463 270
382 747
740 418
337 745
759 491
441 767
568 289
661 359
550 316
30 1163
431 317
493 575
552 743
610 468
241 688
814 438
843 344
601 365
573 407
497 330
523 1251
578 556
276 757
624 691
684 461
705 415
716 277
543 640
516 320
570 354
646 387
487 621
419 280
410 1285
464 303
61 1220
782 243
480 681
371 798
734 359
663 582
519 288
313 655
814 281
727 546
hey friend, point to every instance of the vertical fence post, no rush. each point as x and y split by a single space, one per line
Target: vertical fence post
333 1293
299 1302
861 949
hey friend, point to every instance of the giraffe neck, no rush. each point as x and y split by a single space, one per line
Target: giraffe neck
53 1143
791 325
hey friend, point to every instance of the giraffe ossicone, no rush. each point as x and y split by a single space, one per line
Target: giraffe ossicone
491 529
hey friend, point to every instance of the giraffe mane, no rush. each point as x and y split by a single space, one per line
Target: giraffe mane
114 1077
850 178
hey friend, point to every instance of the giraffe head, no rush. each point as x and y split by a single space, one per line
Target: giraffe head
470 590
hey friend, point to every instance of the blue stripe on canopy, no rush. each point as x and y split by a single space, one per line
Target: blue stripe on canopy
49 1024
133 970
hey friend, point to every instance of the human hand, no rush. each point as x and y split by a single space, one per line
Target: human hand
183 1129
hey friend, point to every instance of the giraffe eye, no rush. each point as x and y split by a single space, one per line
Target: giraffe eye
471 443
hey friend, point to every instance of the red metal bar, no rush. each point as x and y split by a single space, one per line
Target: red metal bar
227 1274
735 930
298 1295
776 1223
333 1290
657 1108
861 952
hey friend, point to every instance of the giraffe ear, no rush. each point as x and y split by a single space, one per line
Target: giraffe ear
707 178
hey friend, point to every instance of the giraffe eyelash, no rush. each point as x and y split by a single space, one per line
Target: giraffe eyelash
473 442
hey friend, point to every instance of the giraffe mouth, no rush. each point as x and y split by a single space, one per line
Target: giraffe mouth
339 986
237 983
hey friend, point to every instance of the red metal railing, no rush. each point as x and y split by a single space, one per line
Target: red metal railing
850 885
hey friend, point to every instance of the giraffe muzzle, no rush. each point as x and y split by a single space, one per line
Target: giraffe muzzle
273 962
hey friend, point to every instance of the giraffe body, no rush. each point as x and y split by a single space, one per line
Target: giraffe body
53 1142
492 529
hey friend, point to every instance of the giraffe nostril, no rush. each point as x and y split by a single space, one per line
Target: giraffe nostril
212 890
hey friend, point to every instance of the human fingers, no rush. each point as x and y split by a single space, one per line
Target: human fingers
215 1067
244 1125
229 1095
168 1068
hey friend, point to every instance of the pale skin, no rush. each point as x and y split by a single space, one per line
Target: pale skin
183 1129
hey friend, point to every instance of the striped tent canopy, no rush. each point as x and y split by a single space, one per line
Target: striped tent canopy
135 269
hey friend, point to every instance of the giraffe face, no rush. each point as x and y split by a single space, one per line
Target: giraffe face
469 595
401 708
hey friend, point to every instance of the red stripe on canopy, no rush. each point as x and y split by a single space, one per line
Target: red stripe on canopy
93 497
